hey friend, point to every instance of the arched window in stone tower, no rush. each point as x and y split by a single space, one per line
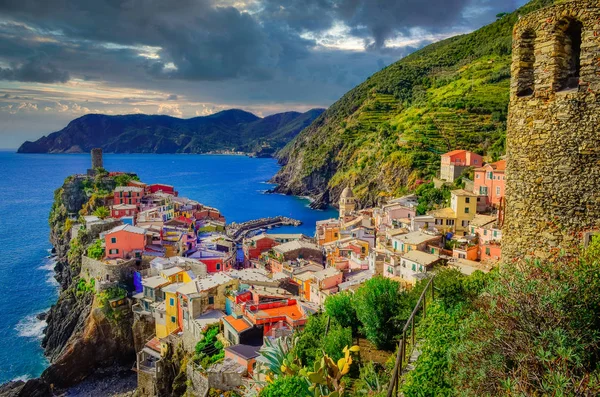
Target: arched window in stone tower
569 53
525 76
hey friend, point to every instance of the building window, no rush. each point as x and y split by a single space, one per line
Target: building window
113 240
483 190
414 267
487 251
485 232
497 190
476 176
525 75
466 210
171 302
173 319
449 222
403 264
570 33
491 175
211 300
462 256
495 233
472 230
218 266
467 200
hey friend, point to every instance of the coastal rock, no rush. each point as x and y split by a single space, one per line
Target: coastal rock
30 388
101 342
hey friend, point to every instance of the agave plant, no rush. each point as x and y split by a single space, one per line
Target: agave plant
277 359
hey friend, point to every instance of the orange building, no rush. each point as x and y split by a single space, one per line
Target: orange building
125 241
490 181
328 231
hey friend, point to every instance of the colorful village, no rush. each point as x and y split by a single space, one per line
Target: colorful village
223 291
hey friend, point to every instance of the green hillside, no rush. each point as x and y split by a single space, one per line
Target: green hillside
387 133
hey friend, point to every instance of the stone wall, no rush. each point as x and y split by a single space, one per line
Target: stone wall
198 385
553 140
121 272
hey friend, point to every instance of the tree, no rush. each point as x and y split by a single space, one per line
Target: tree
378 301
96 251
340 307
336 339
102 212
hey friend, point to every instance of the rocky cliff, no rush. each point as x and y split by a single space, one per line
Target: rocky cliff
84 334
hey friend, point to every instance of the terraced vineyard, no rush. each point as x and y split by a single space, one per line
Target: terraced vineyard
385 135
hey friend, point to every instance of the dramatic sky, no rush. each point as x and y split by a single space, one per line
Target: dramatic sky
60 59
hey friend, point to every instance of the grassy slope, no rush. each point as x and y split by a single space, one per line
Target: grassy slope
388 132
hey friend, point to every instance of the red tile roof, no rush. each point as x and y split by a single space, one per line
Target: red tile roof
454 152
239 324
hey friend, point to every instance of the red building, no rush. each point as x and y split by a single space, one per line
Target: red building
490 181
131 195
159 187
256 245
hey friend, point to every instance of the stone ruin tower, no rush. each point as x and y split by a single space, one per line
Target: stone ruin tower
97 158
553 136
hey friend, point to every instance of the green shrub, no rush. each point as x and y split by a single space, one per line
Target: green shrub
293 386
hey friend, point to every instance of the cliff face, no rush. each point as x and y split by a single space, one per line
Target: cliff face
387 134
80 337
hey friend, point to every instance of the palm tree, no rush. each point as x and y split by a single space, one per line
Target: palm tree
102 212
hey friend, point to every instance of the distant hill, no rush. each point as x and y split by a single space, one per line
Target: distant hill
386 134
139 133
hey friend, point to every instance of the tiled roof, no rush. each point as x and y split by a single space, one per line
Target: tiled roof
295 245
454 152
128 189
127 228
463 192
422 258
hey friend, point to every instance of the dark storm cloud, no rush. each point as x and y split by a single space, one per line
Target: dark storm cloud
38 70
199 40
378 20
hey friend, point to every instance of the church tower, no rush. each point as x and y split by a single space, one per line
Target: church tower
347 203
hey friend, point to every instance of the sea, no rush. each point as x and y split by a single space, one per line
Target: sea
236 185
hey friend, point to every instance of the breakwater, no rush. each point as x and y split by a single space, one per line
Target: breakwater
237 231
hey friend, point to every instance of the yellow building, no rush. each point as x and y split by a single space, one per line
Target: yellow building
170 311
456 218
176 274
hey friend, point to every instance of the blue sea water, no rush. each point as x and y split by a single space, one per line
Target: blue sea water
234 184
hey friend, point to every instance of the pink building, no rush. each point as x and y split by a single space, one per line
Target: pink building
325 282
125 241
456 161
490 182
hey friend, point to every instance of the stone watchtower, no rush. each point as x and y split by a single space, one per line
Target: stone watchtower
347 203
97 158
553 136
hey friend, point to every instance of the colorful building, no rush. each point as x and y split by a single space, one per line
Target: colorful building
131 195
490 182
455 162
456 218
125 241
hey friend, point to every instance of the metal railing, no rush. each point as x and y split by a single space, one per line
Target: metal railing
404 342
